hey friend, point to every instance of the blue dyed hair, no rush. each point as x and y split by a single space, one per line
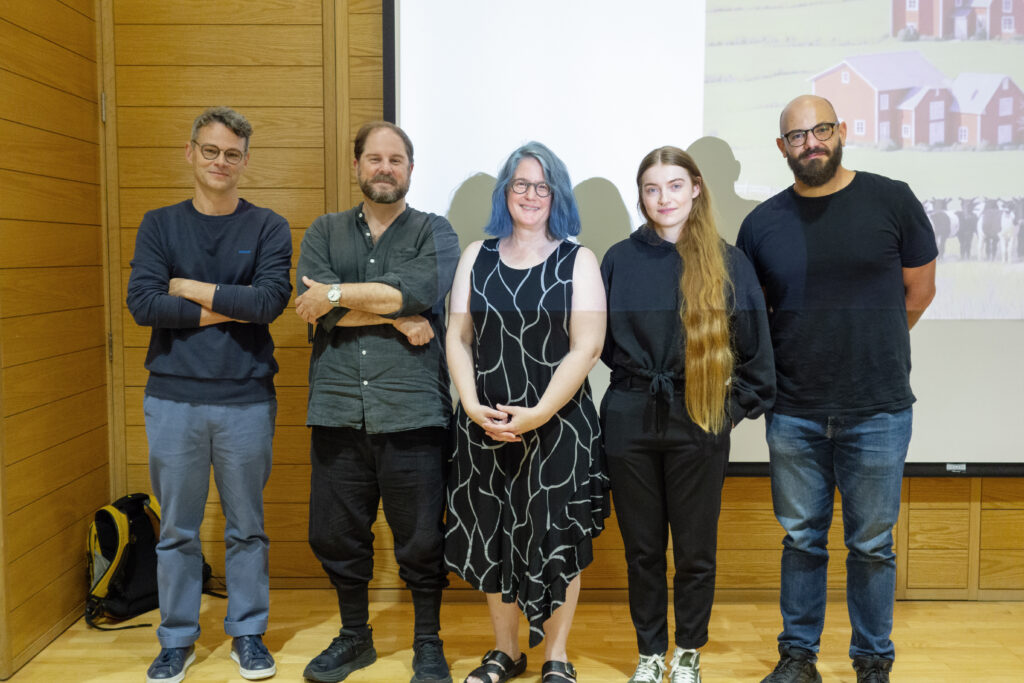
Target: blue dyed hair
565 217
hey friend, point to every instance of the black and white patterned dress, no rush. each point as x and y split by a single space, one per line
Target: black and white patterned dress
522 516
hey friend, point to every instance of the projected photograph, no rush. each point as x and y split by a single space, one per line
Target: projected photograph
931 92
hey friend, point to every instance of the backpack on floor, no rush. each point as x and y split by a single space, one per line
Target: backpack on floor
122 559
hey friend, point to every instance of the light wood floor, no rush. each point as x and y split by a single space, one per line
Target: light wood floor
936 641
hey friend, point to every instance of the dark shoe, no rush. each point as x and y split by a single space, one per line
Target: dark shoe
872 669
555 672
796 665
350 651
428 663
254 660
171 664
500 664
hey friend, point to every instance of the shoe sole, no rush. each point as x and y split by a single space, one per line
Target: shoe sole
175 679
253 674
416 679
341 673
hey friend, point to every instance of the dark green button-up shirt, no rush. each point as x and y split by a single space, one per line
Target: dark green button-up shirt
371 376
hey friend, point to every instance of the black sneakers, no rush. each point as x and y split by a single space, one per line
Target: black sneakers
872 669
428 662
350 651
796 665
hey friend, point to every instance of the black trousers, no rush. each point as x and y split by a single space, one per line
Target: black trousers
352 473
672 480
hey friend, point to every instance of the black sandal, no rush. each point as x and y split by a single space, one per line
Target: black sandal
558 671
500 664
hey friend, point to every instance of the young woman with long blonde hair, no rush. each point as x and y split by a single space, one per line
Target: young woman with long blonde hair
690 354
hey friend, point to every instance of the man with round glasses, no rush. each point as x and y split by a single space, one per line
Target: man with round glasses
209 275
847 263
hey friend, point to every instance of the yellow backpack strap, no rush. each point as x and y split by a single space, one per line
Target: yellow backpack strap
121 522
154 505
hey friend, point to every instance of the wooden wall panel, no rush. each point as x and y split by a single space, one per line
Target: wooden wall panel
55 455
1003 494
34 477
40 152
1002 570
29 243
938 529
200 45
221 12
32 431
27 197
59 21
1002 529
33 571
33 291
31 338
940 492
937 568
198 86
47 62
30 386
48 108
31 622
1002 535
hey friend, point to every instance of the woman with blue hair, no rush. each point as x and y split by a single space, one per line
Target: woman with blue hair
527 492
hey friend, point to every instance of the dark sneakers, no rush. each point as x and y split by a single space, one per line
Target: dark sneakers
350 651
253 658
872 669
428 662
171 664
796 665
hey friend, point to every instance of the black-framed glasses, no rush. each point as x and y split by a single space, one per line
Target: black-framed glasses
211 152
520 186
822 131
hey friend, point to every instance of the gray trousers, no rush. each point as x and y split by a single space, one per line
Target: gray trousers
185 440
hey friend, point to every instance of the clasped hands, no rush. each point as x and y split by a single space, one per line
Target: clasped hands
506 423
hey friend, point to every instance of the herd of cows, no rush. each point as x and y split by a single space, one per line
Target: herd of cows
986 229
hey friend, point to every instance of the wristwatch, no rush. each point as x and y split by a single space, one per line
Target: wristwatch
334 295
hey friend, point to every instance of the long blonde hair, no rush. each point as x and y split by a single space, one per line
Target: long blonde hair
708 351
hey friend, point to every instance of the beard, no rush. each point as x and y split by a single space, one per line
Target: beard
383 196
816 172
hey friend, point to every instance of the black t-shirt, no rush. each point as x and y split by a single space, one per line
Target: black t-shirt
832 271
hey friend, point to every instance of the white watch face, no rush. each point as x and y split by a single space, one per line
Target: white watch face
334 294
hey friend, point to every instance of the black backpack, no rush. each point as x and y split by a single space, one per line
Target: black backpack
122 561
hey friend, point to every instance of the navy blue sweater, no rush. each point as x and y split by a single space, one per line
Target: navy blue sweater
247 254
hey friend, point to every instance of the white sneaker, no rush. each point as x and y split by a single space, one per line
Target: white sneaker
650 669
685 666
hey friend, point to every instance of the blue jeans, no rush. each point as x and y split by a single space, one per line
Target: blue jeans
863 457
185 439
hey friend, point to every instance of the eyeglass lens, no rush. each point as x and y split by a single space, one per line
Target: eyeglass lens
521 186
822 131
211 152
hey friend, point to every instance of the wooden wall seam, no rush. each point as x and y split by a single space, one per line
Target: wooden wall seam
112 251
